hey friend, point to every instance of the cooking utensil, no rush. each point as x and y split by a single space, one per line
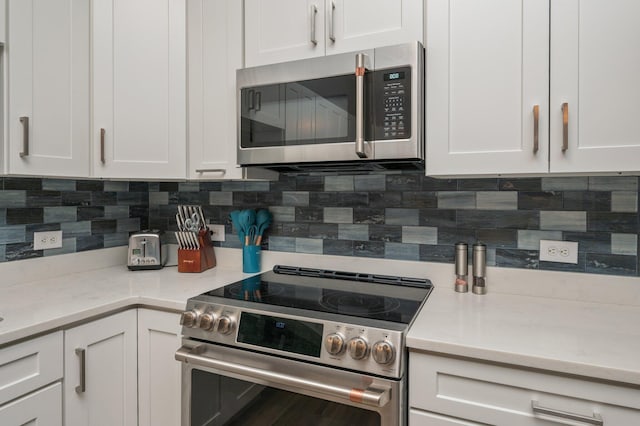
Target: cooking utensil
263 220
250 238
247 218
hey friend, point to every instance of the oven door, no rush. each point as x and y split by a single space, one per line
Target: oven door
227 386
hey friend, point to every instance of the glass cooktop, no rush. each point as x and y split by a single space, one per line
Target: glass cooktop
379 297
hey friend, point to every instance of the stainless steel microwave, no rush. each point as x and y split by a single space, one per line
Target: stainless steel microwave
361 110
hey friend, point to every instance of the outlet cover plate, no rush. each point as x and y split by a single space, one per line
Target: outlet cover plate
217 232
47 240
559 251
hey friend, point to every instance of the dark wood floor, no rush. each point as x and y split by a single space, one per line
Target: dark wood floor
279 408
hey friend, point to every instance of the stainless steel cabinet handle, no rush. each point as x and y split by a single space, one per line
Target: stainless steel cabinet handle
371 396
314 14
25 137
258 101
536 128
223 171
361 149
332 16
565 126
251 99
596 419
83 378
102 133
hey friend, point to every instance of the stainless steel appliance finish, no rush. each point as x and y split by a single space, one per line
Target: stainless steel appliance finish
145 251
324 339
359 110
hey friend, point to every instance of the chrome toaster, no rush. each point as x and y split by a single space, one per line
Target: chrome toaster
145 251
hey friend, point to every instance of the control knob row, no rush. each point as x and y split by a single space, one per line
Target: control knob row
382 352
192 319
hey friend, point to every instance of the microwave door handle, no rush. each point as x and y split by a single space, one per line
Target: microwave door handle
362 150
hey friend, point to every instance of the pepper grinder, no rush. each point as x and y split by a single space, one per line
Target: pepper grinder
462 268
479 269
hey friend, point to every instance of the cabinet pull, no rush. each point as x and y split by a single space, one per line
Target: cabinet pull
314 13
258 101
332 34
536 128
25 137
251 100
596 419
222 171
83 378
102 132
361 150
565 126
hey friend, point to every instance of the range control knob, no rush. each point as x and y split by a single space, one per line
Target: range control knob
383 352
358 348
206 321
188 319
335 344
225 325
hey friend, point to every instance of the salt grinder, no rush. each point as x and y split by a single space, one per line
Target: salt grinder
479 269
462 268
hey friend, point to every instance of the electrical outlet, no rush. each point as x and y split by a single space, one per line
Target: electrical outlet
559 251
47 240
217 232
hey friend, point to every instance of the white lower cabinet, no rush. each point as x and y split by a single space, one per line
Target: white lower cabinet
100 386
448 391
41 408
159 381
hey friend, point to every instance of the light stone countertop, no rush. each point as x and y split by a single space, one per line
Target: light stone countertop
581 324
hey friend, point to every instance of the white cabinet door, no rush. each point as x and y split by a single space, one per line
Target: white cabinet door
48 55
41 408
364 24
283 30
104 352
595 64
159 381
425 418
139 88
214 54
486 69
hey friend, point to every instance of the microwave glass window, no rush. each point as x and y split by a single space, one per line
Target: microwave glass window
306 112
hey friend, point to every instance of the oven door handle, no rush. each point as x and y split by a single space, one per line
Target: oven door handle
374 397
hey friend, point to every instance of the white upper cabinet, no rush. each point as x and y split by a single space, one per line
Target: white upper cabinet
139 88
595 70
486 70
48 89
285 30
214 52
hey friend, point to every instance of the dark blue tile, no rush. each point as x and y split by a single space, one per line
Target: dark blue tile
90 213
104 226
590 242
587 200
373 249
43 198
422 200
140 198
245 199
404 182
490 184
25 216
612 264
309 214
210 186
385 233
323 199
520 184
612 222
385 199
104 198
90 185
352 199
539 200
566 267
21 251
368 215
284 183
195 198
28 184
437 253
295 230
310 183
512 258
269 198
432 184
498 219
168 187
77 198
338 247
451 236
138 186
438 218
325 231
504 238
92 242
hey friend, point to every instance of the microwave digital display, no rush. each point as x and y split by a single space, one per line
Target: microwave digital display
394 76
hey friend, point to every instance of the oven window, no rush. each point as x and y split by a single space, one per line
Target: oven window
220 400
306 112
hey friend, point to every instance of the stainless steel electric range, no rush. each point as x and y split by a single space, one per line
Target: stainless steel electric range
299 346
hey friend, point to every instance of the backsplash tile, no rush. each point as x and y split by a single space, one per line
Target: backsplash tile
379 215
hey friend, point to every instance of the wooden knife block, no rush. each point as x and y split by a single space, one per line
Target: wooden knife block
198 260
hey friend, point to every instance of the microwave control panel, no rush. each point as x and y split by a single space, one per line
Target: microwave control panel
393 103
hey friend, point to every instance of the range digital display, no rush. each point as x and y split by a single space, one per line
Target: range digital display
397 75
285 334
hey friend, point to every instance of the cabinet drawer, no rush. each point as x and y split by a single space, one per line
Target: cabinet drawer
502 395
29 365
423 418
42 408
